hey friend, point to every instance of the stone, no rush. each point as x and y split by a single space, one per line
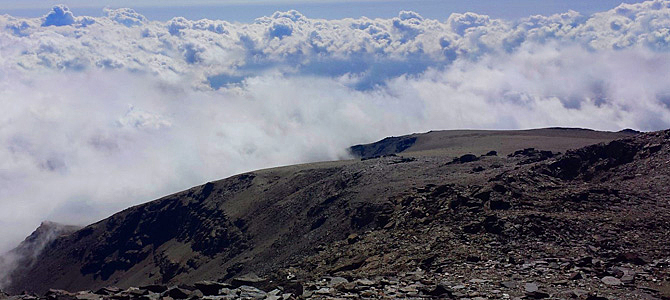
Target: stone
250 279
54 294
499 205
335 280
366 282
477 280
440 291
86 296
136 292
609 280
177 293
509 284
473 258
626 275
154 288
596 297
352 238
578 293
324 291
251 292
196 294
210 288
466 158
630 257
109 290
530 287
537 295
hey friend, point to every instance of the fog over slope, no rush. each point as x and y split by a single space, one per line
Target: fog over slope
102 113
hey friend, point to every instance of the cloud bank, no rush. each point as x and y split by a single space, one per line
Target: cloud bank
106 112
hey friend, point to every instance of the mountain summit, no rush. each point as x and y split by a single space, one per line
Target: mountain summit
465 207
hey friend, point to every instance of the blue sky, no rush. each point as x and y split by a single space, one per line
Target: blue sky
245 11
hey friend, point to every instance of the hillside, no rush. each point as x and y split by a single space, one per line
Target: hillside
517 215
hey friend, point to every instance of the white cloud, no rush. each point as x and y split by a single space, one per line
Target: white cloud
102 113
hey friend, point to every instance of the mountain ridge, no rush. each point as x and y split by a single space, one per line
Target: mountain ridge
290 219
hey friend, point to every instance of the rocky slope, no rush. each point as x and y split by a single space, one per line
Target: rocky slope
590 223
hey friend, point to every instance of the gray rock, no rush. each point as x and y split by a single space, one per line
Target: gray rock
324 291
250 279
609 280
250 292
366 282
531 287
196 294
332 281
510 284
86 296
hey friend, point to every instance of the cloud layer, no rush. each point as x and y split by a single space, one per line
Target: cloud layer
102 113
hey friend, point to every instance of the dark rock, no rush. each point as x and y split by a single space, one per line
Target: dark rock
491 153
493 225
120 296
250 279
466 158
196 294
188 287
177 293
499 205
389 145
576 276
109 290
537 295
210 288
473 258
584 262
472 228
293 287
136 292
54 294
154 288
440 291
352 238
630 257
652 148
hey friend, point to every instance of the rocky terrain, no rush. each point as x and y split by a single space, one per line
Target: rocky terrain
455 215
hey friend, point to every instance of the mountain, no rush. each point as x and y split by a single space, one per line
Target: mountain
456 205
26 252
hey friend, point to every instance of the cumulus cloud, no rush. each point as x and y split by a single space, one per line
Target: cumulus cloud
60 15
126 16
106 112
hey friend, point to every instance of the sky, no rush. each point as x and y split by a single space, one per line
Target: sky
102 109
246 11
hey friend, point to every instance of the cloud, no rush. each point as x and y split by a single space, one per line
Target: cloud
60 15
126 16
101 113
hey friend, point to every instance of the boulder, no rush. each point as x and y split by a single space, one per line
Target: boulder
177 293
154 288
210 288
